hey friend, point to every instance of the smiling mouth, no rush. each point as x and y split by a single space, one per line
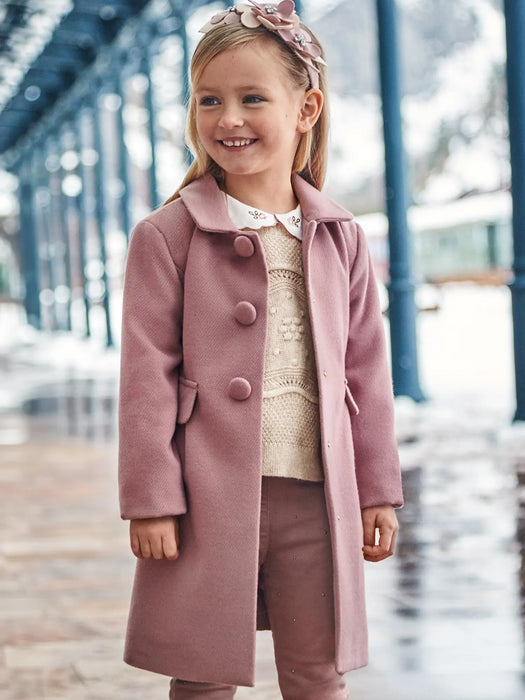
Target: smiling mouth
237 143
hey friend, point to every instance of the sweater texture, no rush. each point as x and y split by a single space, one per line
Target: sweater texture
290 417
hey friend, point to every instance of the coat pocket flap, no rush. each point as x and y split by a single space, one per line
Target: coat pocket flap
187 393
350 401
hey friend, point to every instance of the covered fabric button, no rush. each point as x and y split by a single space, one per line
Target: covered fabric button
243 246
239 388
245 313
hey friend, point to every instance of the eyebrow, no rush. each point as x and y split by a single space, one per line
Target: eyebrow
241 88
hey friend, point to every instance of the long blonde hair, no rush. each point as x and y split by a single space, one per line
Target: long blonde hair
311 155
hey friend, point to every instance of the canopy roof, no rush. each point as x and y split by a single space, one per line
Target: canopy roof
45 45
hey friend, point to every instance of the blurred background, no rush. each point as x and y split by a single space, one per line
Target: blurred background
92 111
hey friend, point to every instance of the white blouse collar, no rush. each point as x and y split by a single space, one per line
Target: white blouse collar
244 216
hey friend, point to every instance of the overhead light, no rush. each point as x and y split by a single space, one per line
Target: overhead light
107 12
32 93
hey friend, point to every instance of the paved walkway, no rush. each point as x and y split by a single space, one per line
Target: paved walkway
446 617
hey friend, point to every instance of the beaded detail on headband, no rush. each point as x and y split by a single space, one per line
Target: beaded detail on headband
281 19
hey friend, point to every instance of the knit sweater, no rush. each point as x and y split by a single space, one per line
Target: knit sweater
290 418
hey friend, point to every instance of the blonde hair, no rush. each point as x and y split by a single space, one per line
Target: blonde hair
311 155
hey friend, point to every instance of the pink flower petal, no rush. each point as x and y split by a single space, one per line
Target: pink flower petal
249 20
266 22
232 18
218 17
256 5
286 7
206 27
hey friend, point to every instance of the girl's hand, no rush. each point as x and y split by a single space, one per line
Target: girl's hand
155 537
382 518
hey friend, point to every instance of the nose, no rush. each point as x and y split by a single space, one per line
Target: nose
230 117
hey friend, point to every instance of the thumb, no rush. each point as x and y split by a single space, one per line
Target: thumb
369 531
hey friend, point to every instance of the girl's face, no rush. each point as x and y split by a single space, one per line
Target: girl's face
249 114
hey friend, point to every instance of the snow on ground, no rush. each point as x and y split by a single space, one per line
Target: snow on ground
466 347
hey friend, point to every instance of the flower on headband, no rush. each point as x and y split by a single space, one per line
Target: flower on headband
301 42
273 17
281 16
280 19
228 16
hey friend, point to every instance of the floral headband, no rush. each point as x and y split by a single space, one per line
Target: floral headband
280 19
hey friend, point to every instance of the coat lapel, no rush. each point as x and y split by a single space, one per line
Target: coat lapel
207 205
315 205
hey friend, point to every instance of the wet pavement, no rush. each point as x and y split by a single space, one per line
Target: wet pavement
446 614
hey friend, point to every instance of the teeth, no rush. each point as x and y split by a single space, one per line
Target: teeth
238 142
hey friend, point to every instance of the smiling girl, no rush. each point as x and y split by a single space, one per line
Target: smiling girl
258 464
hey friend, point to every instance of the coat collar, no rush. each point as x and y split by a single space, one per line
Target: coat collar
207 205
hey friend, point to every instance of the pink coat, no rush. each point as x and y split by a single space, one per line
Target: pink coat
190 424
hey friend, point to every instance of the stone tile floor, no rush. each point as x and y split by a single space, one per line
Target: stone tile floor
446 614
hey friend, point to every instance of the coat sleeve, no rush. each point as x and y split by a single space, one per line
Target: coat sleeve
150 478
368 375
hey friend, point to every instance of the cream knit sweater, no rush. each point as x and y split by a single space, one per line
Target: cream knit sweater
290 419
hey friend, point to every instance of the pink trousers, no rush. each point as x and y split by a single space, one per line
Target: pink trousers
295 577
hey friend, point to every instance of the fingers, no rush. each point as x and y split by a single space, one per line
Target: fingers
383 520
135 546
170 548
177 537
156 538
155 546
369 528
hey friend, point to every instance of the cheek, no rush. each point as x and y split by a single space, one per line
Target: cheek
204 126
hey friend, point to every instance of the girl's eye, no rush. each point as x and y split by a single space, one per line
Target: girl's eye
209 101
253 99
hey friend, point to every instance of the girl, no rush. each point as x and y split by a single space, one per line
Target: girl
257 454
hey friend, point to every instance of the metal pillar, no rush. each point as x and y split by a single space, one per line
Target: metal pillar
122 153
80 202
145 68
402 310
29 248
185 68
515 23
42 214
64 233
101 211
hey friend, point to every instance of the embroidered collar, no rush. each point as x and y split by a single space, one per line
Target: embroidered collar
244 216
206 204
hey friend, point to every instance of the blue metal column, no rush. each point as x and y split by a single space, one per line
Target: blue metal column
63 217
402 310
42 214
80 202
122 152
145 68
515 22
56 228
185 68
101 210
29 248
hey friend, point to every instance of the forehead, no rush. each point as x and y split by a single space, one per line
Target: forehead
253 63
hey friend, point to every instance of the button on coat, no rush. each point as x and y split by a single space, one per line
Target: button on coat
239 389
243 246
245 313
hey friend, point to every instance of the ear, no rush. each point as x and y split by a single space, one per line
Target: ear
310 110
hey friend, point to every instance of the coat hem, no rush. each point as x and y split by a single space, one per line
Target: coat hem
151 663
359 662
